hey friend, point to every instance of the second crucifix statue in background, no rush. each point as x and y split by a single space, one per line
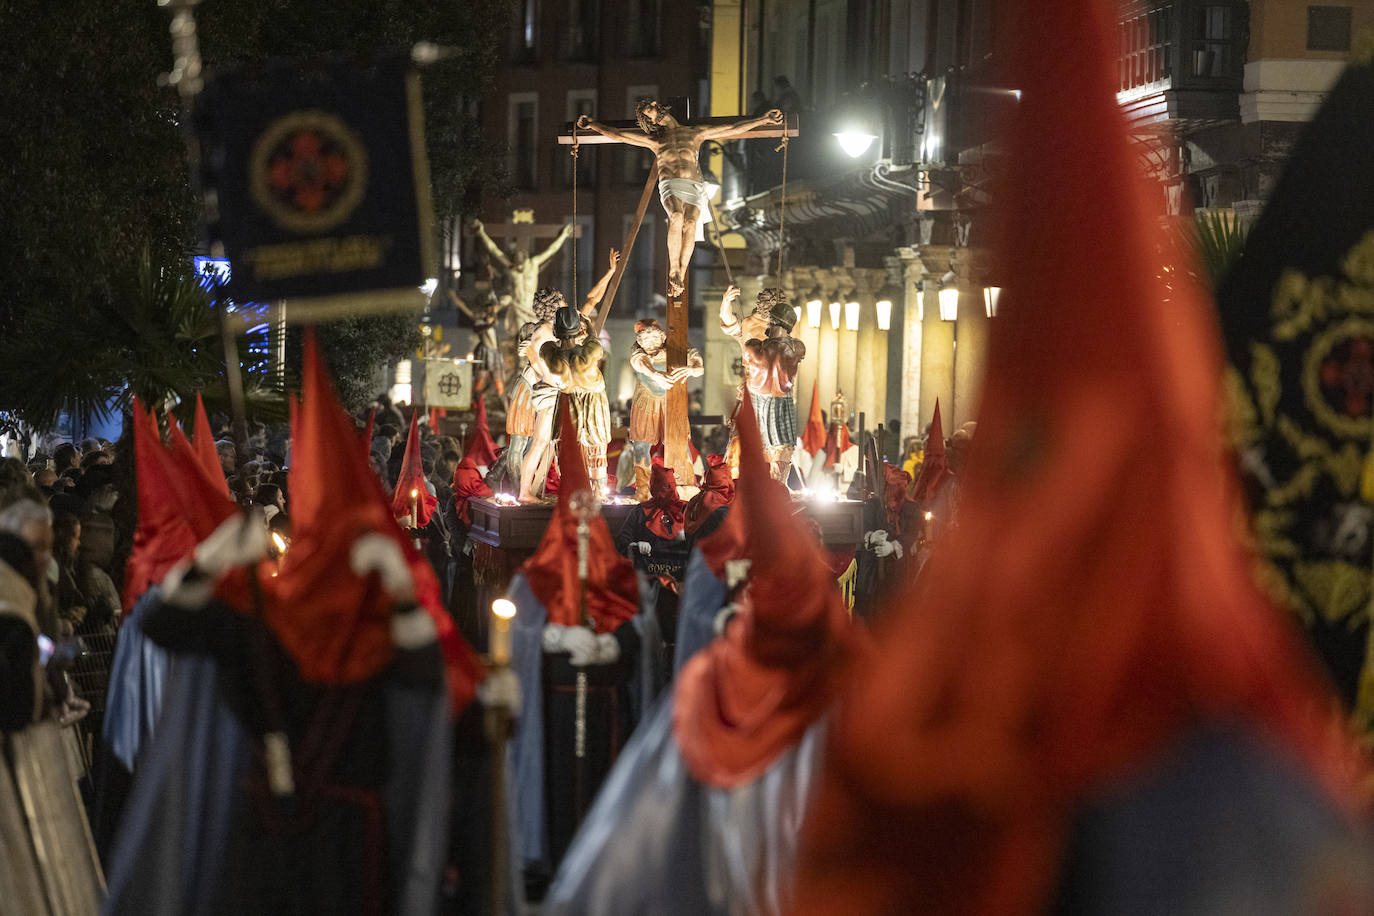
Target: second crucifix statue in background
521 267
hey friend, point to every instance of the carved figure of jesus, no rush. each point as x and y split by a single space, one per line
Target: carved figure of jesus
522 268
681 189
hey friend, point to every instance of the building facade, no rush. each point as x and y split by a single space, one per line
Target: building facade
1215 93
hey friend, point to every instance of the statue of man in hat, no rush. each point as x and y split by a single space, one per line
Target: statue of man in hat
771 358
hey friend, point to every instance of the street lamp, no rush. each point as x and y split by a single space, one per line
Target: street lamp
949 303
884 309
991 294
855 141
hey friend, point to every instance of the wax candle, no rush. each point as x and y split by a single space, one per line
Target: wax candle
502 611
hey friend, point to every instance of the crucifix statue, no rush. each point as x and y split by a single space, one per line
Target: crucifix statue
677 176
521 267
681 189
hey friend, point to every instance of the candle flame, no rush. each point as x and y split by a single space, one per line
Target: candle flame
929 516
279 541
414 493
504 608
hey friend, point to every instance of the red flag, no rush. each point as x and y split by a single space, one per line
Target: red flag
813 437
750 695
411 492
1092 606
612 589
480 447
205 446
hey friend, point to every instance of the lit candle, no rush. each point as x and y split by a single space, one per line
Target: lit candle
502 610
415 508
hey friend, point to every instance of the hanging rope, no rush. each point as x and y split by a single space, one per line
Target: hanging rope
720 243
782 206
573 152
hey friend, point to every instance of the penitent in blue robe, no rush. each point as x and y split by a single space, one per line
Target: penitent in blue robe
529 806
658 841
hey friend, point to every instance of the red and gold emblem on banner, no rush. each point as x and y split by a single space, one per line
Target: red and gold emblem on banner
308 171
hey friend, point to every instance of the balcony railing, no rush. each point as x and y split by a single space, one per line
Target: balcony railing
1184 44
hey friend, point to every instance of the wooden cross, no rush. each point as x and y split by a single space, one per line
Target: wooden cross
677 430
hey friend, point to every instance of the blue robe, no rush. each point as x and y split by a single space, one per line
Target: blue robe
703 595
138 671
658 841
189 824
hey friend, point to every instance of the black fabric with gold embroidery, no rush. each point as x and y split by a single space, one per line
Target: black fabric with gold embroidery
1297 311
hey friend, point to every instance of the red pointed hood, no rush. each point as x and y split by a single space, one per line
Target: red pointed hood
410 482
480 446
164 535
205 446
934 472
336 624
467 484
1093 604
203 495
813 437
717 489
837 442
664 509
895 483
751 694
612 587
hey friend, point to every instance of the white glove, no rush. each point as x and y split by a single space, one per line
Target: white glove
581 644
501 690
553 637
413 628
239 541
377 553
607 649
181 588
642 546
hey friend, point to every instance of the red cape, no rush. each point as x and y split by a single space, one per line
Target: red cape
612 587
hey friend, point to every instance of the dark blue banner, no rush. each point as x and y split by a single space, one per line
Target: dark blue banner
316 179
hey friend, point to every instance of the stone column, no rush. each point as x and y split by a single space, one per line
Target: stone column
937 342
803 283
847 343
971 361
910 331
827 347
719 382
870 383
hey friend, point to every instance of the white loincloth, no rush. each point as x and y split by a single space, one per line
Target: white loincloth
689 191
